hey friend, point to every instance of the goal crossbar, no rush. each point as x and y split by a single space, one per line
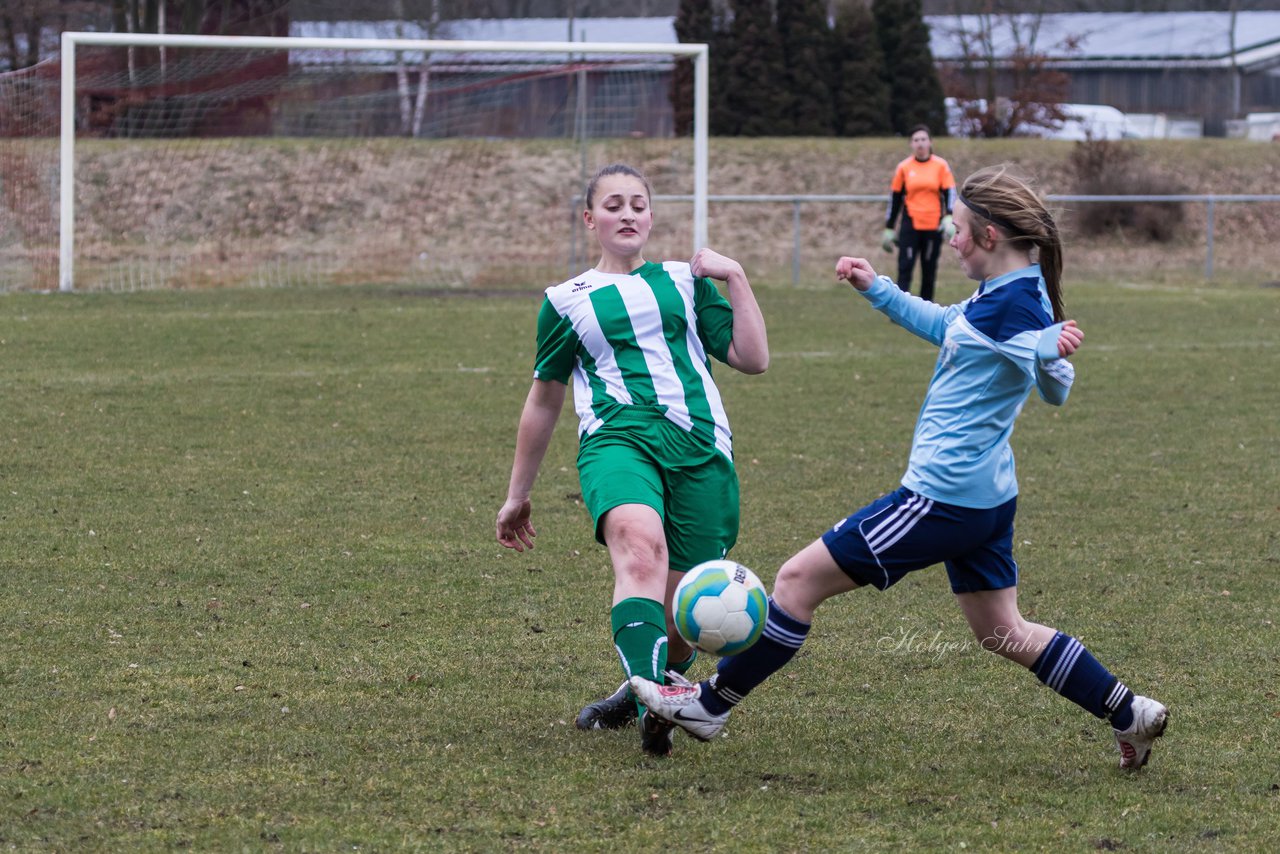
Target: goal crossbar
66 208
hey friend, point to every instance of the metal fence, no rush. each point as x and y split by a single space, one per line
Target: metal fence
798 201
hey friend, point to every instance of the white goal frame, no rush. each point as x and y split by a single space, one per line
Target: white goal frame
67 140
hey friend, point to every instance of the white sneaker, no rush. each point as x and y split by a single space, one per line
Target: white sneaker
1149 720
679 703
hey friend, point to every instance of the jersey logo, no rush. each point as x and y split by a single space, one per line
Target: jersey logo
579 286
948 354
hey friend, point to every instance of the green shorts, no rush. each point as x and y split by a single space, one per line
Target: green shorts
693 488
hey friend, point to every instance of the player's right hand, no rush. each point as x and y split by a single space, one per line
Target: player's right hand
856 271
514 530
888 240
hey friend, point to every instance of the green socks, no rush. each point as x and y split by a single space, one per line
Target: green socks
640 636
682 667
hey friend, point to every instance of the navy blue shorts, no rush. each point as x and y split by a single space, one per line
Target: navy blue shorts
904 531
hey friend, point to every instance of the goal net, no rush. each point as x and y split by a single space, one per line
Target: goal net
188 161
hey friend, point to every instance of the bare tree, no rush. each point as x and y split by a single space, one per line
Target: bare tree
24 23
1002 81
413 107
1236 83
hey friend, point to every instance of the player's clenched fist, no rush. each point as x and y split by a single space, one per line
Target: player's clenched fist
1069 339
713 265
856 271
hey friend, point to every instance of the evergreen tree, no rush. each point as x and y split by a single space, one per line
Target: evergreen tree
859 90
806 46
915 93
757 98
723 121
694 24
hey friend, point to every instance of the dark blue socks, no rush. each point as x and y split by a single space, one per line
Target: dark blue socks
737 675
1068 668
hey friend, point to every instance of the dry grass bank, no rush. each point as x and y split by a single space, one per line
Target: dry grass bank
488 214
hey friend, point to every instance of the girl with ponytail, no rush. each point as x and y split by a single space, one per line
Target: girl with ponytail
958 498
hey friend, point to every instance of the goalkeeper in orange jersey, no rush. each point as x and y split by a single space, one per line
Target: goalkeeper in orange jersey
924 186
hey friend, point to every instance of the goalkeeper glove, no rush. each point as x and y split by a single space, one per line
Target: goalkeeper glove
948 228
887 240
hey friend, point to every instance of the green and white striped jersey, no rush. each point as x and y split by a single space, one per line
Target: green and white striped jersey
639 340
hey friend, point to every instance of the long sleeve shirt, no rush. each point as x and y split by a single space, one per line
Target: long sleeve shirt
993 349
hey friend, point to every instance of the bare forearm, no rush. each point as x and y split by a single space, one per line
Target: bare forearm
537 424
749 351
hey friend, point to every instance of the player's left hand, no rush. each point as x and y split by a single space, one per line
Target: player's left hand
1069 339
713 265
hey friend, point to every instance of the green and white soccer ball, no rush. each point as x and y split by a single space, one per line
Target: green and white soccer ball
720 607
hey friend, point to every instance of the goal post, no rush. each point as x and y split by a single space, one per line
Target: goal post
535 62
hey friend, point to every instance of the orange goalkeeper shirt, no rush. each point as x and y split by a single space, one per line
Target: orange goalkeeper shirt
924 183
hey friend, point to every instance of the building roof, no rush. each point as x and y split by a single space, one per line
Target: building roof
1107 39
615 30
644 30
1099 36
1112 39
1116 39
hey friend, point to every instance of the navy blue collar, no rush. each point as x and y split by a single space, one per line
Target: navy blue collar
989 285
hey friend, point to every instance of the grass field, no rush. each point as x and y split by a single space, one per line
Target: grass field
251 597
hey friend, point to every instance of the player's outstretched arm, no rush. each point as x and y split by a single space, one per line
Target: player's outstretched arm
514 528
749 349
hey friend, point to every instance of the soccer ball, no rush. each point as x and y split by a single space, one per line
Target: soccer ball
720 607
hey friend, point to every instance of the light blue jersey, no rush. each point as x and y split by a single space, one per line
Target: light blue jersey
994 347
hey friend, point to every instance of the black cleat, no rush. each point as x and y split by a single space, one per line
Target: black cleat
616 711
656 735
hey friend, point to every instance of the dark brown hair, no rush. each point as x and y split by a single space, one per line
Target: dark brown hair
615 169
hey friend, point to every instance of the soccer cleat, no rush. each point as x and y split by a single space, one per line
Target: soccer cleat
656 735
678 703
613 712
1149 720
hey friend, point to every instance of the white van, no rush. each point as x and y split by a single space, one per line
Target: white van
1091 121
1096 121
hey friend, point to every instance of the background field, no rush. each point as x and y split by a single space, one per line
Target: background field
487 214
251 596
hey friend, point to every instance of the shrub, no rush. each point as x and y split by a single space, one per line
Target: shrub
1103 167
